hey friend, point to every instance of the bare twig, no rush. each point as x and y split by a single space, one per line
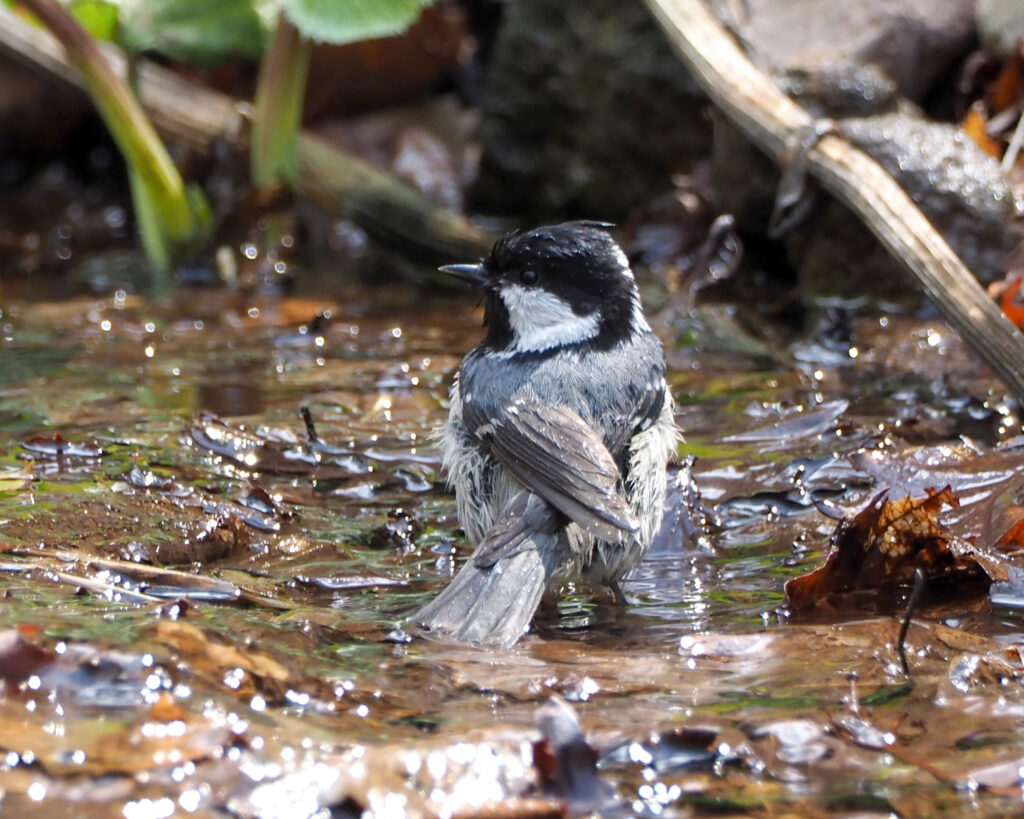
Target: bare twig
772 120
912 604
1016 141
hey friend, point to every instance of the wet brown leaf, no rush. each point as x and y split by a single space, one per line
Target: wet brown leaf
875 554
55 447
165 709
1012 540
20 658
273 451
245 672
78 745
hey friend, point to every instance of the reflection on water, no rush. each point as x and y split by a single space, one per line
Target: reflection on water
239 579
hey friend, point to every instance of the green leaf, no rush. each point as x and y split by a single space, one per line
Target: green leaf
98 17
203 32
349 21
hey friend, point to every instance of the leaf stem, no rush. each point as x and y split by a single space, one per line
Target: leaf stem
280 92
168 215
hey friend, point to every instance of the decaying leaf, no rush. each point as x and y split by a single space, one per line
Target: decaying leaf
19 657
1012 540
1008 303
975 127
247 672
55 447
273 451
875 554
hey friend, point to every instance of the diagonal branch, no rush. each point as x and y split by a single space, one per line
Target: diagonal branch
772 120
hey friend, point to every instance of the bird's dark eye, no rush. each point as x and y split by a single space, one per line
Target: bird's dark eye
529 276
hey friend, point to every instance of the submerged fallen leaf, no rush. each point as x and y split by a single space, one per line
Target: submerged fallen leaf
246 672
875 554
18 657
56 447
165 709
95 747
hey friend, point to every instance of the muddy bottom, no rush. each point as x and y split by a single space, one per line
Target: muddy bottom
202 599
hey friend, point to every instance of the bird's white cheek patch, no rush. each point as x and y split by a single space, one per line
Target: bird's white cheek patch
541 320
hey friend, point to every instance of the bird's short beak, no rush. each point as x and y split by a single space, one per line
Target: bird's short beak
472 273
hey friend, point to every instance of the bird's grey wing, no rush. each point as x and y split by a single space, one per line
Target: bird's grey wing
554 453
648 407
524 517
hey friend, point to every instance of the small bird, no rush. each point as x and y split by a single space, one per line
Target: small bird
559 431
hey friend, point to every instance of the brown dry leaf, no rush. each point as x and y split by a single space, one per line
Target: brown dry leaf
1007 87
261 673
1012 309
1012 540
18 657
165 709
875 554
976 128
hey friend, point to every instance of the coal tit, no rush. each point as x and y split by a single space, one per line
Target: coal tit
559 431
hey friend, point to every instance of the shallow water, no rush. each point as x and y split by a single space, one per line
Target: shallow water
204 605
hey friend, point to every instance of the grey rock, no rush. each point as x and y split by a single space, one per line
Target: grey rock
962 191
586 110
1000 25
913 41
864 59
839 88
745 180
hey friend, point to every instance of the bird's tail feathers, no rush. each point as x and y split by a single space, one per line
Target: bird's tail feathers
493 598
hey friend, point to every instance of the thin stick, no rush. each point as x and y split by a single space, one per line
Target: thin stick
772 120
912 604
1015 144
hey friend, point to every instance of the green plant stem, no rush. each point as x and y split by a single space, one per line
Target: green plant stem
279 97
338 181
169 215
